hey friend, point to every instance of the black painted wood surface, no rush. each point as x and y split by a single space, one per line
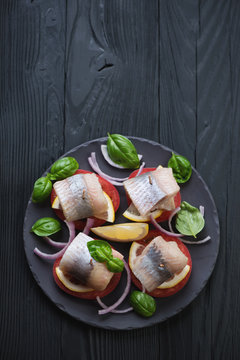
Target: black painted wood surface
71 71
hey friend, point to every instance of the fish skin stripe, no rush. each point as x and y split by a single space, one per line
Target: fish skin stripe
107 188
166 214
170 291
91 295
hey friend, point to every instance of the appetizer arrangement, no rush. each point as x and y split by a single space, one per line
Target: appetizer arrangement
158 225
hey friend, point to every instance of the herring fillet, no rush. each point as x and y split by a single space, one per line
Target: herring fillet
144 192
153 190
81 196
73 197
158 262
78 262
166 181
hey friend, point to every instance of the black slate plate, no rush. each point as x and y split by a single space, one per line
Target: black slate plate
203 256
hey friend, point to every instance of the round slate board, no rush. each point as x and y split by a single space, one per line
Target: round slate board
204 256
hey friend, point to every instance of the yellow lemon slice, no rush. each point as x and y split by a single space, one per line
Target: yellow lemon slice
132 253
176 279
108 215
124 232
71 286
56 203
167 284
132 214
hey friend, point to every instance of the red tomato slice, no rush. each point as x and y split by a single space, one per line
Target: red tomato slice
177 199
107 188
90 295
171 291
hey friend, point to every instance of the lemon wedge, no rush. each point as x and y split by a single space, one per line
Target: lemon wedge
176 279
70 285
124 232
56 203
132 214
108 215
167 284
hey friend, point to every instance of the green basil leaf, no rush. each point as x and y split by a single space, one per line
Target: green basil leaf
122 151
181 167
63 168
100 250
143 303
115 265
41 190
189 220
46 226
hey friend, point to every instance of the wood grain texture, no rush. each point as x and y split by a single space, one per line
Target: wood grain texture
31 138
71 71
111 57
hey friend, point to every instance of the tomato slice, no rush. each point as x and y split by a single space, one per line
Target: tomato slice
173 290
107 188
166 214
90 295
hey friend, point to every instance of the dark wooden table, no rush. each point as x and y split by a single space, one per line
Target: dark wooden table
166 70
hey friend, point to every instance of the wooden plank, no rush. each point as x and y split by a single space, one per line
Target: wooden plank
212 160
178 26
31 102
111 56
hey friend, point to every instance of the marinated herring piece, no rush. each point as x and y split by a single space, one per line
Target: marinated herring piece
152 190
79 264
158 262
81 196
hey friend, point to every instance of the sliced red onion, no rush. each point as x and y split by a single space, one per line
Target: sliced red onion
140 169
198 242
171 233
72 231
201 209
109 160
50 256
96 168
113 311
56 255
174 212
160 228
54 243
88 226
93 156
120 300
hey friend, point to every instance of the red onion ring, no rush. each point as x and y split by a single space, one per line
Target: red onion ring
113 311
88 226
50 256
160 228
196 242
94 164
201 209
54 243
174 212
93 156
120 300
140 169
71 228
54 256
99 172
